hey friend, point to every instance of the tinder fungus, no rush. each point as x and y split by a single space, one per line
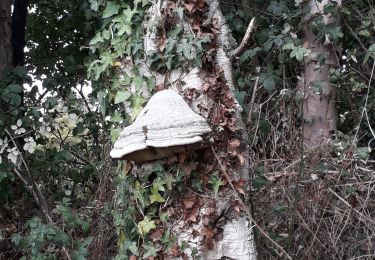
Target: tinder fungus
166 126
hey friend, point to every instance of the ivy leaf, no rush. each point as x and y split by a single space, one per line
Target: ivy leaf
137 105
150 251
145 226
138 82
185 49
216 182
122 96
133 248
156 197
111 9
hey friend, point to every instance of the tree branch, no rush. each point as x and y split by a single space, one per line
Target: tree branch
240 49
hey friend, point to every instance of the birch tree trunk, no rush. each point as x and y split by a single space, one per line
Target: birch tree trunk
215 225
319 106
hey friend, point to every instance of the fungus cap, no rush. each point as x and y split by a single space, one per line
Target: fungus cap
166 125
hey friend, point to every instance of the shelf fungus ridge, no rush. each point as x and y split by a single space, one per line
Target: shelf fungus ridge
165 126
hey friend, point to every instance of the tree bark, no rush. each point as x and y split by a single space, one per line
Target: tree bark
220 228
5 35
319 104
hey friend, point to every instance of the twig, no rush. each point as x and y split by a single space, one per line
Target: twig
251 105
353 33
248 213
239 50
347 204
35 190
27 185
252 8
364 110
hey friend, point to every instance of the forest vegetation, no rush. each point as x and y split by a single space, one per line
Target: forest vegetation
286 87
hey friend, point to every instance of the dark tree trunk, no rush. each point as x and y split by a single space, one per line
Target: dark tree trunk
5 35
18 31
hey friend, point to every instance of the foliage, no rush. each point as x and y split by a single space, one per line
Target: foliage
44 241
83 83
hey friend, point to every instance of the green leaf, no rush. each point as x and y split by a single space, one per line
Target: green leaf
363 153
259 182
156 197
370 53
62 239
138 82
216 182
299 53
111 9
94 5
240 96
269 83
264 126
15 88
150 251
122 96
115 133
21 72
97 39
133 248
145 226
137 105
277 8
85 226
249 54
15 99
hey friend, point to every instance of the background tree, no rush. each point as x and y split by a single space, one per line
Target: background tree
5 33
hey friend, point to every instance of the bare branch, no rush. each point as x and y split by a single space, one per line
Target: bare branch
240 49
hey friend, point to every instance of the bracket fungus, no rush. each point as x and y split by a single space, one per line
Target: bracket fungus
165 126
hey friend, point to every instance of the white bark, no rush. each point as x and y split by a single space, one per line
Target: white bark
237 244
238 240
